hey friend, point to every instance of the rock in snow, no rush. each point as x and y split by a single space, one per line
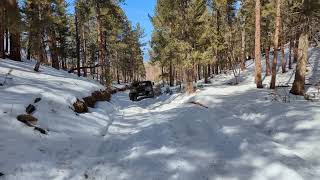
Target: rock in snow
80 106
30 109
27 119
37 100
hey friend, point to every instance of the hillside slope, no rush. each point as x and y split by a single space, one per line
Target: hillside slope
27 154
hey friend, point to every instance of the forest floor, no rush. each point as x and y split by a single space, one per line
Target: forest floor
222 131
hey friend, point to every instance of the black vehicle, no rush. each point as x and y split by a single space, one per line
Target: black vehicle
143 88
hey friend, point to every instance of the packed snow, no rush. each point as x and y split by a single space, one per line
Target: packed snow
222 131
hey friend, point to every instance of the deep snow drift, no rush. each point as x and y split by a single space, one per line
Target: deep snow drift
245 133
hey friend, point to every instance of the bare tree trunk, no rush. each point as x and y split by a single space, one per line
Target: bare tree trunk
290 53
206 72
105 66
7 40
2 31
216 68
84 50
77 41
268 69
243 48
14 17
258 78
299 81
171 80
29 45
53 48
199 72
43 49
40 54
15 46
118 76
189 74
283 58
295 50
276 45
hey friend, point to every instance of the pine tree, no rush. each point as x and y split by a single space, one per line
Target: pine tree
34 10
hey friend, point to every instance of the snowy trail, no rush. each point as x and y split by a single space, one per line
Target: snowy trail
178 140
244 134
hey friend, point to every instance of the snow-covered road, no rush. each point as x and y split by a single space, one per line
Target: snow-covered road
240 136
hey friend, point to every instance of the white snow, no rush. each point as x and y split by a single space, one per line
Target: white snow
245 133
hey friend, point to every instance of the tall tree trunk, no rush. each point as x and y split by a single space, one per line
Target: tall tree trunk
295 50
2 30
283 58
218 54
171 80
84 49
15 46
6 40
105 68
290 52
299 80
217 68
276 46
14 19
189 74
199 72
258 78
117 66
53 48
162 75
243 47
77 41
40 49
209 71
118 76
268 69
28 52
5 26
206 70
44 52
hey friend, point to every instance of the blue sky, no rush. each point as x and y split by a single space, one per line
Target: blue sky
137 12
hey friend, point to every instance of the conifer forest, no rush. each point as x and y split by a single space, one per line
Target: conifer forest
160 89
